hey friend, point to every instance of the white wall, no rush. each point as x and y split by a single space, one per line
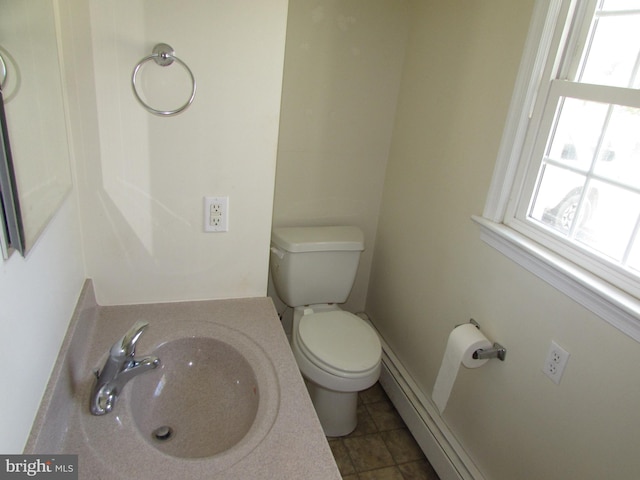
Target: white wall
144 178
342 73
431 271
38 294
37 297
140 179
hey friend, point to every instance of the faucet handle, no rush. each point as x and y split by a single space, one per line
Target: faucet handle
126 346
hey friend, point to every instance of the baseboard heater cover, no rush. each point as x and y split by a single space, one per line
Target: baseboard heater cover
436 440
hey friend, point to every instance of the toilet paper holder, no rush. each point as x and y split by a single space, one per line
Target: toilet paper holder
497 351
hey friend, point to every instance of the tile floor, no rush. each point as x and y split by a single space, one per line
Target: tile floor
381 447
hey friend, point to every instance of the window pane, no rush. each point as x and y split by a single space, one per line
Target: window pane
609 224
620 5
633 261
615 43
578 129
557 198
619 157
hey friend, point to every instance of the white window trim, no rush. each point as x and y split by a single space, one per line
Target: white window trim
608 302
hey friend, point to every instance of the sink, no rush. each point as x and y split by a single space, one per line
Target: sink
278 435
211 402
201 401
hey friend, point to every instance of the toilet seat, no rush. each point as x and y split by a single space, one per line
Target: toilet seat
339 343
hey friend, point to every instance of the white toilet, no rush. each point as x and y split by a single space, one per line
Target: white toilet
338 353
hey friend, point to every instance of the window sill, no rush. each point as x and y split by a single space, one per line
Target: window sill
609 303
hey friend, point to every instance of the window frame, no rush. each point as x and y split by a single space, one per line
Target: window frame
518 210
500 228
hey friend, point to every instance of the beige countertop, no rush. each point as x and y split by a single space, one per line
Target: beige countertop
289 444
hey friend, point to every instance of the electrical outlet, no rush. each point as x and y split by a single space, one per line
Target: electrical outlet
216 214
555 362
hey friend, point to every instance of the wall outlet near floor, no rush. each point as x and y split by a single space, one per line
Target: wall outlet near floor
555 363
216 214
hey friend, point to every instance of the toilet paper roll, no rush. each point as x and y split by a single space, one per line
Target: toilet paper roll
463 341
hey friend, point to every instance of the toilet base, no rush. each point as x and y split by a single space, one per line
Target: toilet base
337 411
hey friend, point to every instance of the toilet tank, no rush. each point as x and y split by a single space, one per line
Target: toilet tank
311 265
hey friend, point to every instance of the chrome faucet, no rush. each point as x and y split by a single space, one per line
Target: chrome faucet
120 367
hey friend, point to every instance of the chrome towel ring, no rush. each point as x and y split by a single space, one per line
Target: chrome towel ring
3 72
164 56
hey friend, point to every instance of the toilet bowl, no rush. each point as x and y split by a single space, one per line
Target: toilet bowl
338 353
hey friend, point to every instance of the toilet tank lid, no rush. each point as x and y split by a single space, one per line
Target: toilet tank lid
318 239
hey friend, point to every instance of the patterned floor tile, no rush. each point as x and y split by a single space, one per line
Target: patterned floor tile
381 447
385 416
341 456
368 452
402 445
389 473
420 470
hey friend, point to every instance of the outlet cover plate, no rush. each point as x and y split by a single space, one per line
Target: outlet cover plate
555 363
216 214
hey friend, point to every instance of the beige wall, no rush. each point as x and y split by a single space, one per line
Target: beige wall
342 73
431 271
144 178
141 207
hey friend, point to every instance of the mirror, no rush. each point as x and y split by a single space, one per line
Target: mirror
35 120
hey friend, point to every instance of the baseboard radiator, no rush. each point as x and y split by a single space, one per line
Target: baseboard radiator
436 440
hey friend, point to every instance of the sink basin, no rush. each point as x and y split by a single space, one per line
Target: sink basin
211 402
201 401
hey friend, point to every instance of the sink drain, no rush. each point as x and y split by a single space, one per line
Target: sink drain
162 434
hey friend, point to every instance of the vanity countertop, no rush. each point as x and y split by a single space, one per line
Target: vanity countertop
293 448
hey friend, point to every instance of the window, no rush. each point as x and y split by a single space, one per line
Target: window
567 183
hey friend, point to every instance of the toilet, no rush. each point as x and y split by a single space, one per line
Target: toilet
338 353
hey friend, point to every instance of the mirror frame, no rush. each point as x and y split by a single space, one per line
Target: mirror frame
12 230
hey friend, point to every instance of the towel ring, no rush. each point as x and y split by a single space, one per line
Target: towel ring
3 72
164 56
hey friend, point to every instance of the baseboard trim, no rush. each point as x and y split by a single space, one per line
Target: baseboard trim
436 440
